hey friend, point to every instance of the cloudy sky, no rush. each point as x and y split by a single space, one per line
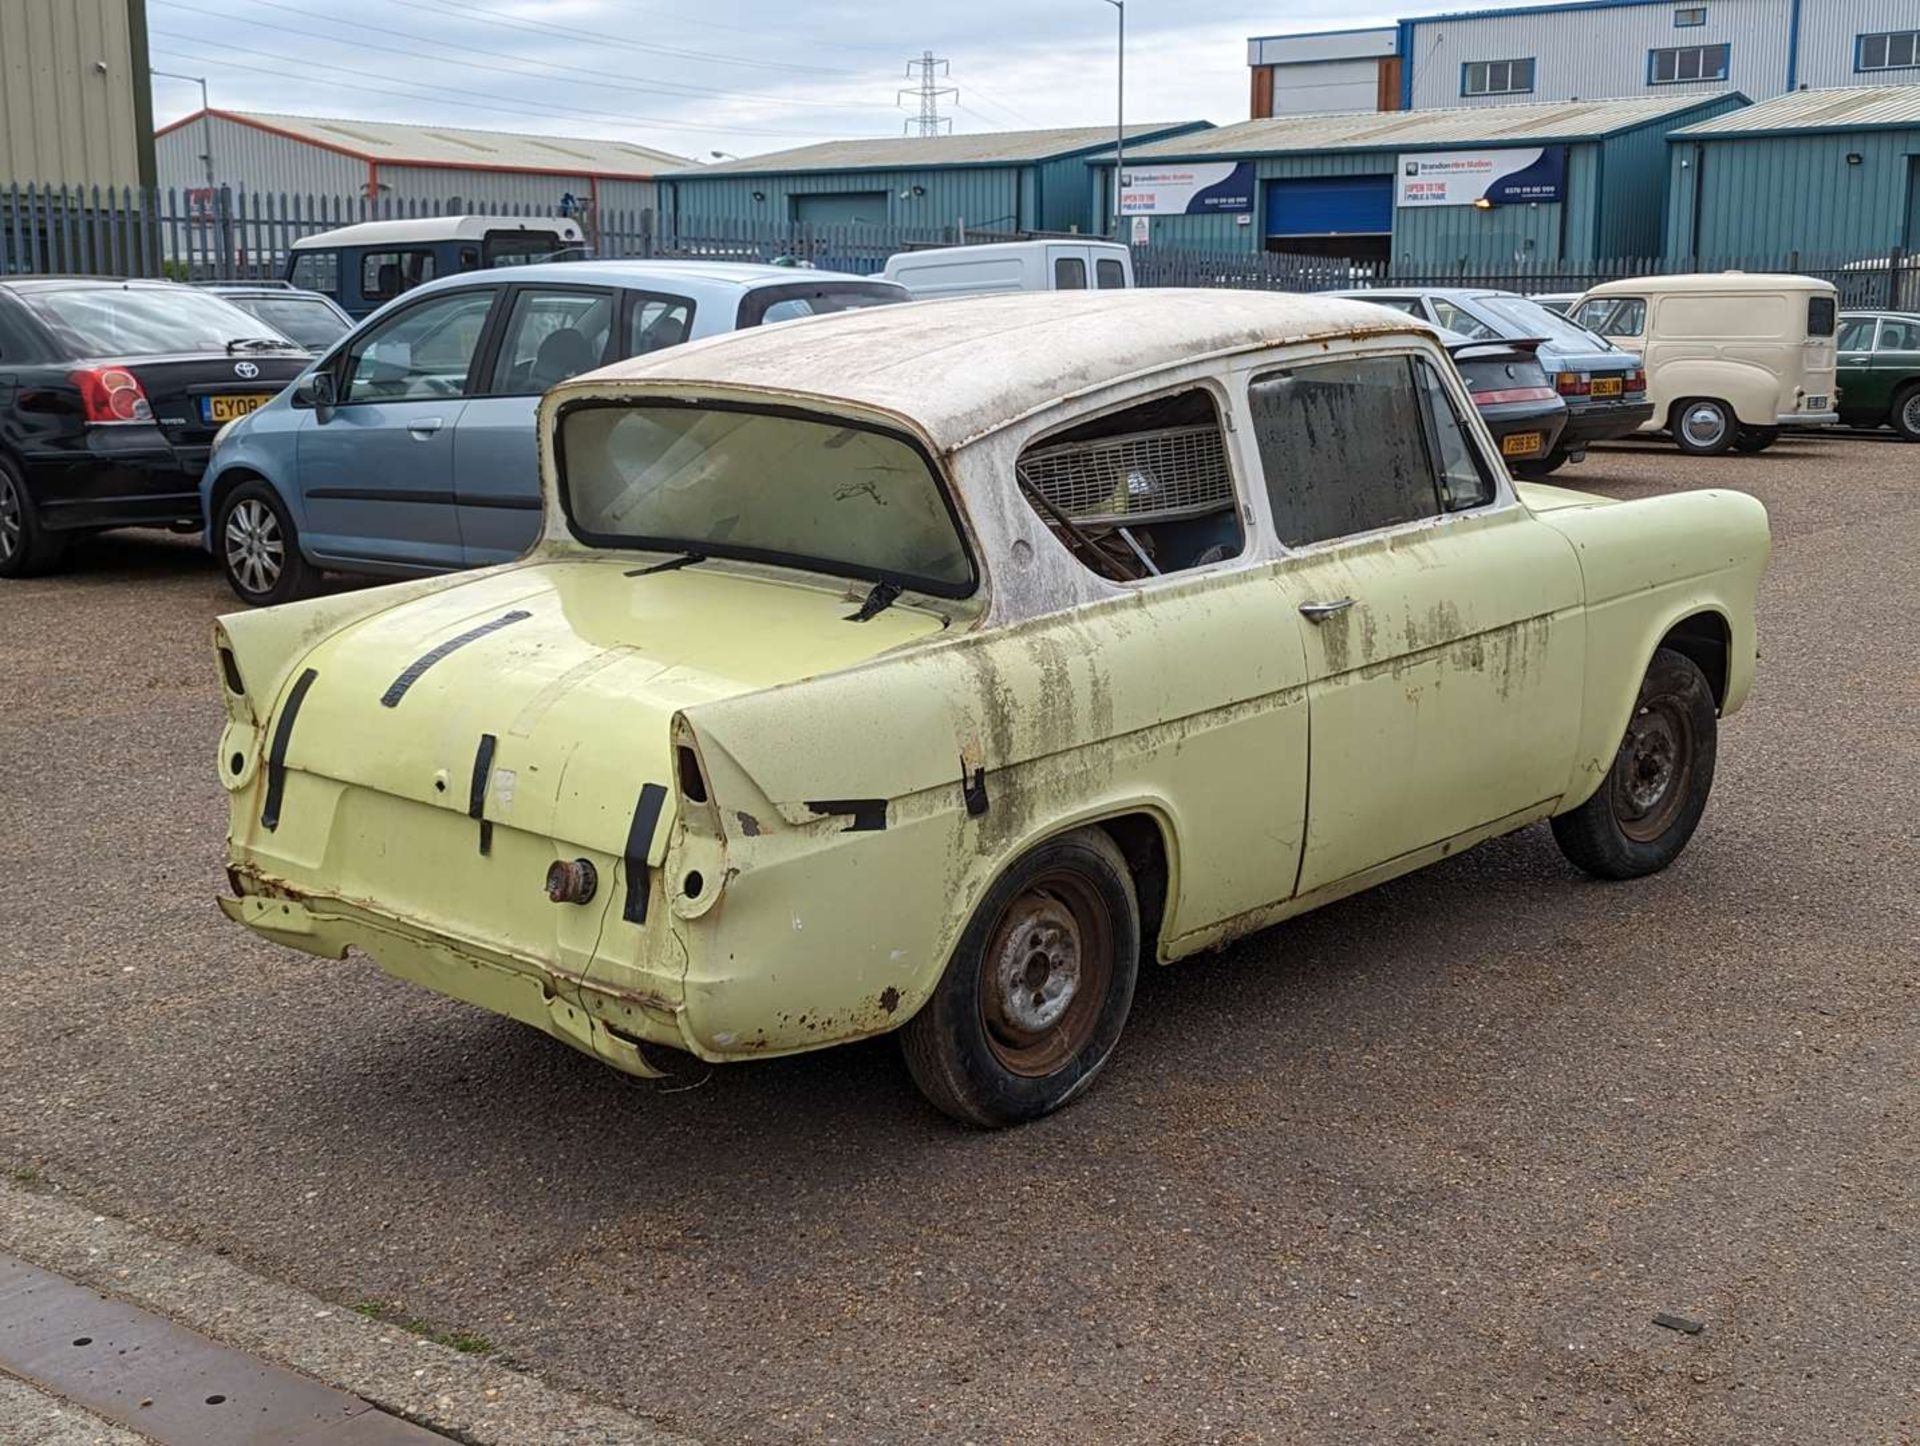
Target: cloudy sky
741 76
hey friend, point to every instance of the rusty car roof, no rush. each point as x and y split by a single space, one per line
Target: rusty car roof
964 367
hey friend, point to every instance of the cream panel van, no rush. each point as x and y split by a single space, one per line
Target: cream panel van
1730 358
1013 266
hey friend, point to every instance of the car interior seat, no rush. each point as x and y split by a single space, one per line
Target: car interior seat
562 354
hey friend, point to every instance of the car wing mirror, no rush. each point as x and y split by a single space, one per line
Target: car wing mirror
316 390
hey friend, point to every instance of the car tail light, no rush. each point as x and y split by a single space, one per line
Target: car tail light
1637 380
1513 394
112 394
1573 384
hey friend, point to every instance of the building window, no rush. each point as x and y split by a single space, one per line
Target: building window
1682 63
1893 50
1496 77
1688 16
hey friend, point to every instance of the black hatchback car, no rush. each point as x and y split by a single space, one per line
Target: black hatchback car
110 395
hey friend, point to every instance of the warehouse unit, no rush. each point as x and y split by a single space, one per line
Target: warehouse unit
1597 49
997 181
446 167
1325 70
1848 158
1532 184
75 93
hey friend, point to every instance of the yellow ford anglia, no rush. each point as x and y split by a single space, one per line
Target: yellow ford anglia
931 667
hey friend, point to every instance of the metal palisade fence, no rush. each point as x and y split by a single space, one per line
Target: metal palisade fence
229 235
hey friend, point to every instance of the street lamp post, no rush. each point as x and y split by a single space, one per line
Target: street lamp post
206 121
1120 113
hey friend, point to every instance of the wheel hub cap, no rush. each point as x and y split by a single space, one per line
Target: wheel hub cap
10 528
1704 425
1037 971
255 550
1910 414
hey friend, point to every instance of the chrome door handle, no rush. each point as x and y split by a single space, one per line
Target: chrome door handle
1319 612
424 428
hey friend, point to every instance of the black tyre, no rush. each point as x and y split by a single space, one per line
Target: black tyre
1653 796
1756 439
27 549
1906 413
259 549
1544 466
1038 991
1704 427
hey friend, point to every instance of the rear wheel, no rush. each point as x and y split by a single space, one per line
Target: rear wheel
259 549
1035 997
1906 413
26 547
1703 426
1756 439
1643 815
1543 466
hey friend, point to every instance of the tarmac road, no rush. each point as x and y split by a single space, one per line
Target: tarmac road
1422 1166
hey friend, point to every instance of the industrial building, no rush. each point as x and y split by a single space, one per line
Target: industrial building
1827 173
1589 50
996 181
75 93
447 167
1476 186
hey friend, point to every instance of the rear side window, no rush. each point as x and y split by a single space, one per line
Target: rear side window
1342 447
1111 275
317 271
1822 312
386 274
550 336
1899 335
1069 273
1457 318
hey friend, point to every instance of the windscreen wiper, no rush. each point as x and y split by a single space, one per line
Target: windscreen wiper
882 596
685 559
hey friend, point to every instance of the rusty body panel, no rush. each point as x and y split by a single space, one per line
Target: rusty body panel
788 815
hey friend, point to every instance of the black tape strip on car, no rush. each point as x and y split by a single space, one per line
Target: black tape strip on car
477 789
869 814
277 754
646 818
397 689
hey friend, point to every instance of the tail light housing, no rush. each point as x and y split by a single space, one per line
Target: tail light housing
1512 394
112 395
1573 384
1637 380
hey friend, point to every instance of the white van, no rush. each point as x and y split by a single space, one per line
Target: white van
1731 358
1013 266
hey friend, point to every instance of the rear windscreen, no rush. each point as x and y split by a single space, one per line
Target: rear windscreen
524 248
817 298
1822 312
109 321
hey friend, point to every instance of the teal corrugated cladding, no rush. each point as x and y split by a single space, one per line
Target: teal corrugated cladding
1631 219
984 196
1066 203
1767 196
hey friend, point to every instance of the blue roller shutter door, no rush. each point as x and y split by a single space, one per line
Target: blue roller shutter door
1331 206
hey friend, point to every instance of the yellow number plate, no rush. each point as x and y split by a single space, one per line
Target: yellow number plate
1606 386
225 409
1523 444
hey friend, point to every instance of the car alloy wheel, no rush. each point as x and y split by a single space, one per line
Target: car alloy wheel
12 523
1705 425
1908 418
256 551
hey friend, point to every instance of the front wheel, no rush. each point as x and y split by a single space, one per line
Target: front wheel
1906 414
1036 994
1653 796
259 550
1704 427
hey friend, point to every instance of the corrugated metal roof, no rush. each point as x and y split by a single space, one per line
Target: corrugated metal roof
980 148
1853 108
412 145
1413 129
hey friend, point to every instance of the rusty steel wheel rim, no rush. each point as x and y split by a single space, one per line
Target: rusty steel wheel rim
1653 773
1046 973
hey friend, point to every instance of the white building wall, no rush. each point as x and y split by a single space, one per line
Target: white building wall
1602 54
1828 30
1332 85
1330 45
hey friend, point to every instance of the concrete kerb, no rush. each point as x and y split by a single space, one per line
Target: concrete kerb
468 1397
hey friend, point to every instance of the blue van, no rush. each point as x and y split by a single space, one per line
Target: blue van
364 267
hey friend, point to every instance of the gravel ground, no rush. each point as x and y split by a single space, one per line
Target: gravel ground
1421 1166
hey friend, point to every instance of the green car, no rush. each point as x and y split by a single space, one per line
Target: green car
1880 371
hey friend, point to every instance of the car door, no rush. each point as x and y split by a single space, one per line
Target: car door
1442 624
1859 402
1896 362
376 469
548 333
